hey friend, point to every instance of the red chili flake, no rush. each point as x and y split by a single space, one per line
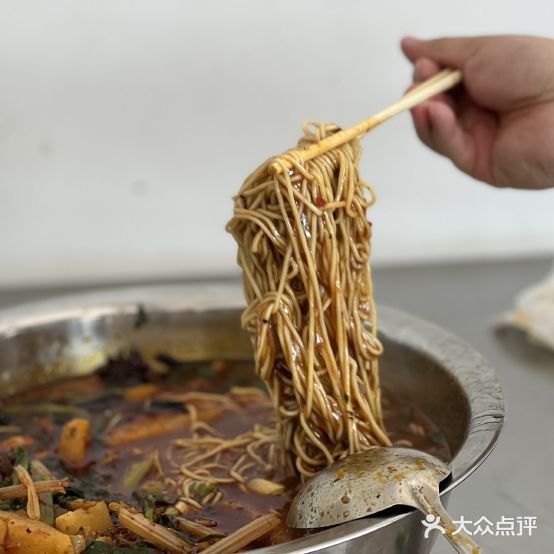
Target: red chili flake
320 202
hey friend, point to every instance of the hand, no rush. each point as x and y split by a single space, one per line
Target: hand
499 126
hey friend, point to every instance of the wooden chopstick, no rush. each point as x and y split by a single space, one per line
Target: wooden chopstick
439 76
442 81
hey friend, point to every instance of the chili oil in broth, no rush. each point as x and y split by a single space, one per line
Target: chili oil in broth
112 397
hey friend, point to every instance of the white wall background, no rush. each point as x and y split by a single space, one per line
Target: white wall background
126 125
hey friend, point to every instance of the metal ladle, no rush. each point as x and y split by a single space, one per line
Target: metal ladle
374 480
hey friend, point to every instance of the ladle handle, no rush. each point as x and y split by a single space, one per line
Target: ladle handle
428 501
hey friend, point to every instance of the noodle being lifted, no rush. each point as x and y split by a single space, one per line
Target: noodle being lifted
165 452
304 245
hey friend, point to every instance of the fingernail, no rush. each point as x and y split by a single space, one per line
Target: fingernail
410 40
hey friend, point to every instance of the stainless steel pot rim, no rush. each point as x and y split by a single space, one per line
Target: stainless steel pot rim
462 361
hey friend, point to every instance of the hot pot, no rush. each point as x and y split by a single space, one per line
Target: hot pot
435 370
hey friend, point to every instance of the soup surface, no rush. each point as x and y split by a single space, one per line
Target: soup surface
123 436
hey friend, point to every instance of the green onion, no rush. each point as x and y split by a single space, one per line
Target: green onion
203 489
40 472
20 457
137 473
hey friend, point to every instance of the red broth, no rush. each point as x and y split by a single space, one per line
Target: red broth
36 418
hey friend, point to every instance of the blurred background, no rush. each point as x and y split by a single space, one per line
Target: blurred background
126 127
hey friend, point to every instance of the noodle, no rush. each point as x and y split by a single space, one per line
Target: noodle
209 459
304 246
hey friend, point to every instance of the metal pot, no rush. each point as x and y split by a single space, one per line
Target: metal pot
437 372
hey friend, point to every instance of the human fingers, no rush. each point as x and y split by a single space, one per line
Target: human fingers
438 128
450 52
424 68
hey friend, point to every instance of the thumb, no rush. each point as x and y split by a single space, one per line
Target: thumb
450 52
